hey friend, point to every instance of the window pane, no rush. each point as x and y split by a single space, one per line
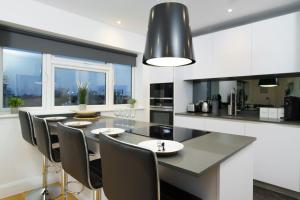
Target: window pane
66 86
22 76
123 82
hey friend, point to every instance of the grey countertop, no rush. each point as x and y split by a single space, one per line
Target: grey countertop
198 155
242 117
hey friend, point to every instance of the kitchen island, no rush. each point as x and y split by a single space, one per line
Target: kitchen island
213 166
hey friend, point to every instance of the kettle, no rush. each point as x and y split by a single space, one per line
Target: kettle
205 107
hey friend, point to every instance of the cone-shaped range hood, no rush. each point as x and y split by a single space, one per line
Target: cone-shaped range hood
169 39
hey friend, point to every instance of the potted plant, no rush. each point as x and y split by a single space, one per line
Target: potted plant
14 104
132 102
82 92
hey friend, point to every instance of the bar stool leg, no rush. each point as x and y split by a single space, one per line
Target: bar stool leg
44 175
64 184
97 194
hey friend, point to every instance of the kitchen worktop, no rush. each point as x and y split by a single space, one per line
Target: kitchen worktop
254 117
199 154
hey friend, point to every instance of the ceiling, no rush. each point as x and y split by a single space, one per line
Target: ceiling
205 15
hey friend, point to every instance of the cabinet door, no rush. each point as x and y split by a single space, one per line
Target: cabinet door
276 45
232 52
277 154
161 74
203 55
190 122
224 126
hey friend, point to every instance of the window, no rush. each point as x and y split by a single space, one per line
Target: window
66 86
22 77
122 83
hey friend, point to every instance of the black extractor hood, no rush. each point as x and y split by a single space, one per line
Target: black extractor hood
169 39
268 82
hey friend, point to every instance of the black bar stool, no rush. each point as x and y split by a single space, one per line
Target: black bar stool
131 173
26 127
44 143
29 136
75 159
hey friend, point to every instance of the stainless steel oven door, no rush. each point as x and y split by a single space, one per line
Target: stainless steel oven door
161 115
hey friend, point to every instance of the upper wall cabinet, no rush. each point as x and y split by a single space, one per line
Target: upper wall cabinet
203 49
160 74
232 52
276 45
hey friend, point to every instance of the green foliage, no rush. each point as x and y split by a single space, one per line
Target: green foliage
15 102
82 91
131 101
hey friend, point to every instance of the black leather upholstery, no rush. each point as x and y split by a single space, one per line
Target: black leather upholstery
75 157
43 139
26 127
129 172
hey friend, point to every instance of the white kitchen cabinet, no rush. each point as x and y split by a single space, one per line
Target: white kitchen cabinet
203 50
277 149
277 154
276 45
210 124
232 52
224 126
189 122
160 74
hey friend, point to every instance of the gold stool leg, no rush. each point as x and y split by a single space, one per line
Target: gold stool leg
97 194
64 184
44 175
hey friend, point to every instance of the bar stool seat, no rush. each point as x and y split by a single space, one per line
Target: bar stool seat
44 144
54 139
56 155
96 173
131 173
76 161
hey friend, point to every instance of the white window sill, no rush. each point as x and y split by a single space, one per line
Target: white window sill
6 115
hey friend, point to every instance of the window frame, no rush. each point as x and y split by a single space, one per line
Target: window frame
48 85
69 63
33 108
120 106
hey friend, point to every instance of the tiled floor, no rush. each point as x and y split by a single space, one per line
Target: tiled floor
259 194
263 194
22 196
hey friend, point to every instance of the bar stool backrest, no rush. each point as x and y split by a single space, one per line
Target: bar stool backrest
74 154
42 135
128 171
26 127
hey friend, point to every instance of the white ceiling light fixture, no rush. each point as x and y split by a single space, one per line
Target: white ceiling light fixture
229 10
119 22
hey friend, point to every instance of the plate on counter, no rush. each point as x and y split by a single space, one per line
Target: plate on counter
162 147
78 124
55 119
108 131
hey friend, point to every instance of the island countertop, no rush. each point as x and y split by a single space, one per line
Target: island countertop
199 153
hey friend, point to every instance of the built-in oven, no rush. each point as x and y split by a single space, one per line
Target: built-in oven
161 103
161 90
161 115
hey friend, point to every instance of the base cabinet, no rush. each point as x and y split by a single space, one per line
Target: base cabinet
276 154
276 149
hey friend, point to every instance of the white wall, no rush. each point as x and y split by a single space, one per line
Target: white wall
20 168
21 163
37 16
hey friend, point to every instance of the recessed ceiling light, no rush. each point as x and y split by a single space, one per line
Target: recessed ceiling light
119 22
229 10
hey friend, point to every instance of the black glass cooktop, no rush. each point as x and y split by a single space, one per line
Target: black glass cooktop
168 132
